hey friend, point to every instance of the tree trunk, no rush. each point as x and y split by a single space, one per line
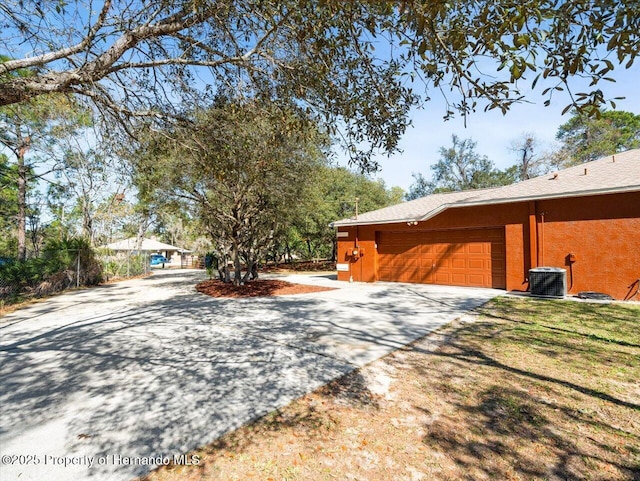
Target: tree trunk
247 274
35 234
87 221
227 274
22 196
237 266
288 250
252 271
223 269
142 228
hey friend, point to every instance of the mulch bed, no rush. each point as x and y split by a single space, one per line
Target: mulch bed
257 288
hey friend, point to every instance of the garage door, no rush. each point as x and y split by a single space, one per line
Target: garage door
457 258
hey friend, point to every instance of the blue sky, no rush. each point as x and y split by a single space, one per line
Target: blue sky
492 131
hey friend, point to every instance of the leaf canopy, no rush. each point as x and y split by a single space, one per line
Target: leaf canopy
359 66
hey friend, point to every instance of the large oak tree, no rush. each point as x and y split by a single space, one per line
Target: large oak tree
241 170
350 61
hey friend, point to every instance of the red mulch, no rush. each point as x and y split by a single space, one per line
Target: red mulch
257 288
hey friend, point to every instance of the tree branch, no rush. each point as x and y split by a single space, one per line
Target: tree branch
38 60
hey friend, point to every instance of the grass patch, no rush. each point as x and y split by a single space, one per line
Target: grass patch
533 389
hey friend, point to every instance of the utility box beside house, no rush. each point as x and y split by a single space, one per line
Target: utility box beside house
548 282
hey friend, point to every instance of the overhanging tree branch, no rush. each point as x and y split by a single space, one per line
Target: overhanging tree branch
151 57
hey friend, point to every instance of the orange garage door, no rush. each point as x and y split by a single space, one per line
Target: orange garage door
457 258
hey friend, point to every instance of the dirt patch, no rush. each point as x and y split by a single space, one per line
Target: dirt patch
257 288
9 308
115 280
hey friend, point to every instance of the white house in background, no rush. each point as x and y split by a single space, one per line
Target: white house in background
173 253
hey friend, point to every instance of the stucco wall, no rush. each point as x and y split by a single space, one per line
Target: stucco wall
603 232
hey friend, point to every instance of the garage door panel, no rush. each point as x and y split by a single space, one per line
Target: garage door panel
465 258
476 248
458 279
441 249
476 280
477 264
427 249
442 277
411 272
458 263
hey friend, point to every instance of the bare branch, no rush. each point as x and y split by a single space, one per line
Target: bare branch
29 62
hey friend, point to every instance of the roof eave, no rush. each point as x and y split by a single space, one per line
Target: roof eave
353 223
504 200
578 193
427 216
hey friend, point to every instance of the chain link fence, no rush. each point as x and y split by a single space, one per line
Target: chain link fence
124 264
58 270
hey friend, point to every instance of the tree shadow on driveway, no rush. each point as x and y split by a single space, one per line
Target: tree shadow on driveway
161 377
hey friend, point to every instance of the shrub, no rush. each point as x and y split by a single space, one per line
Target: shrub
122 265
55 270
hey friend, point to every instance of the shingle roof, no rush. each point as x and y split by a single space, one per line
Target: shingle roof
411 210
615 173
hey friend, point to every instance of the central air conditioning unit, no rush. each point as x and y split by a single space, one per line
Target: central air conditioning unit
548 282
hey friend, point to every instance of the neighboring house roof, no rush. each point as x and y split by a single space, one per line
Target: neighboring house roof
612 174
130 244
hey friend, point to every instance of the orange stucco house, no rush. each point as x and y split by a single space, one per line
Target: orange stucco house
585 219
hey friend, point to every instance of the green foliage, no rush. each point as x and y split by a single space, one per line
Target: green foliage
240 169
114 216
353 63
35 124
123 266
421 187
545 40
30 131
585 139
55 270
461 168
8 207
331 196
83 179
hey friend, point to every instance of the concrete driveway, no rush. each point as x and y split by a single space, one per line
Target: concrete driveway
96 384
